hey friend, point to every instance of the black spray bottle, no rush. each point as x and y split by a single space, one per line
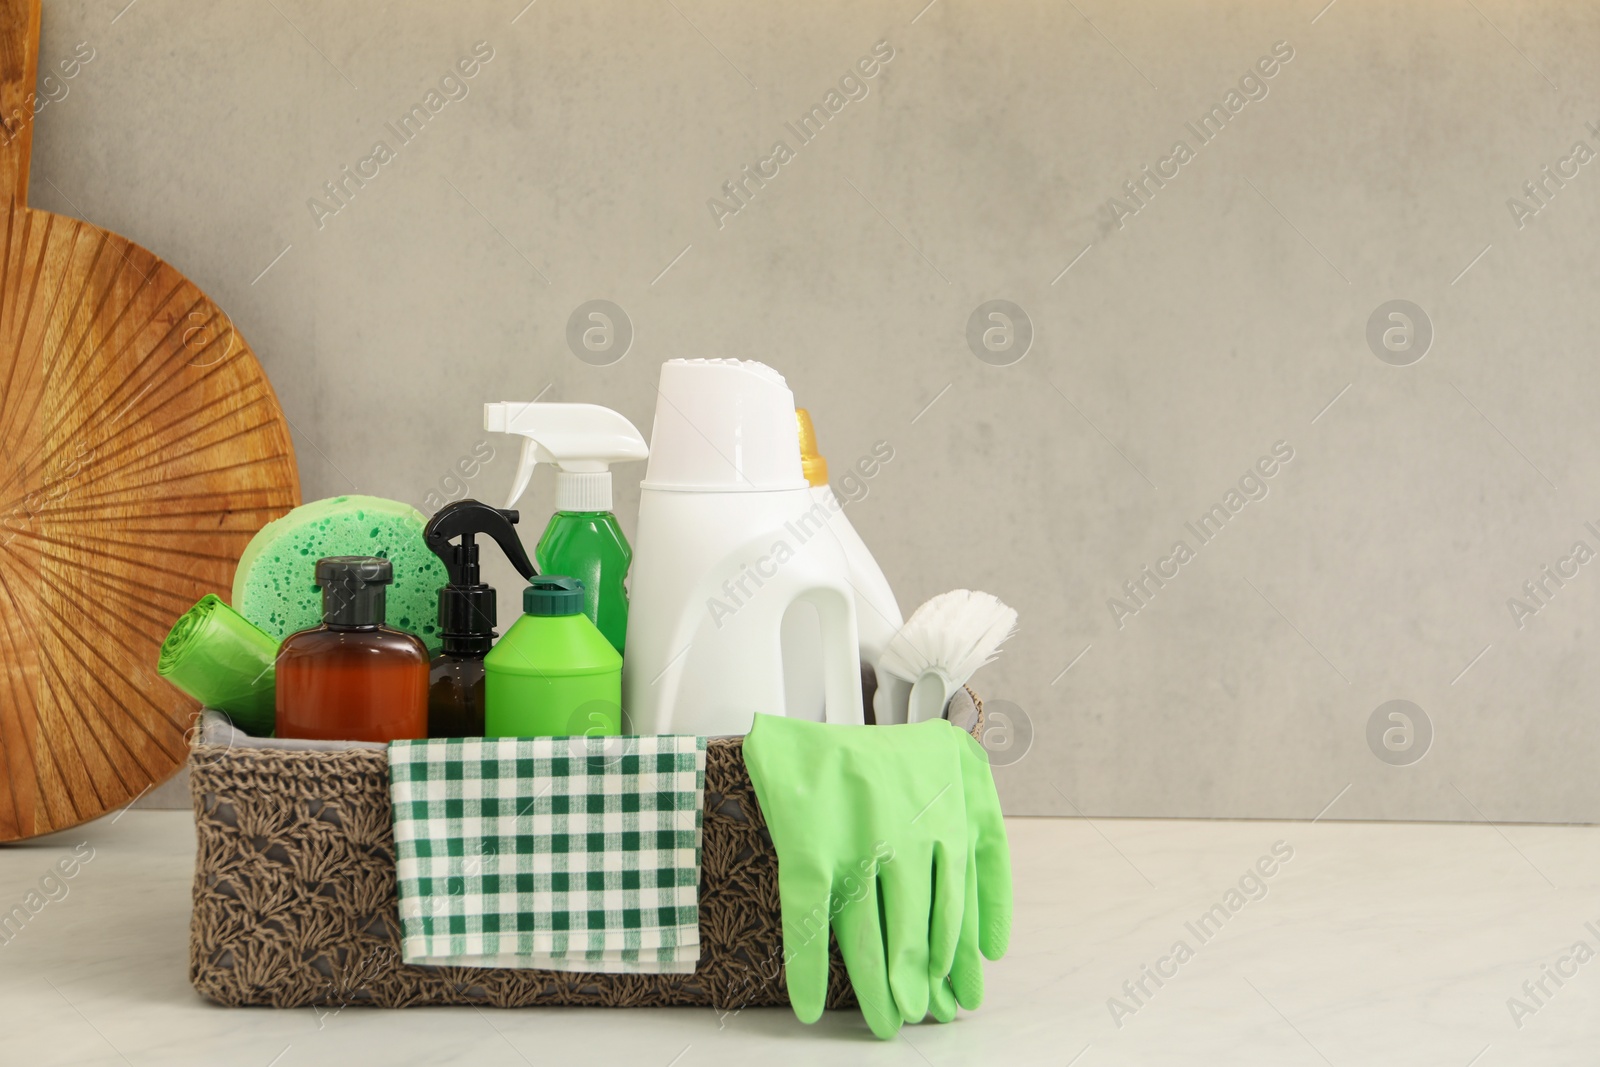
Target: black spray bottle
466 612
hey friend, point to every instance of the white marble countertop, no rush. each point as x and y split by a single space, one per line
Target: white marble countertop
1371 944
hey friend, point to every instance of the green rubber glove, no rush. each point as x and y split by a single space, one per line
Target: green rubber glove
872 836
986 917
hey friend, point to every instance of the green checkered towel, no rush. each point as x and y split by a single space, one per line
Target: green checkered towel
556 853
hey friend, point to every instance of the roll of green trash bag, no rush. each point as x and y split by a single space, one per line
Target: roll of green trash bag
224 661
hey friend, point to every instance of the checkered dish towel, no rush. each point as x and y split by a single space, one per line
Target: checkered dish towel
555 853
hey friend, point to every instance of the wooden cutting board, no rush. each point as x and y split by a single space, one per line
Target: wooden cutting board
140 448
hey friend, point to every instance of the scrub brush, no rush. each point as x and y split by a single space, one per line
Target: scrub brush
943 643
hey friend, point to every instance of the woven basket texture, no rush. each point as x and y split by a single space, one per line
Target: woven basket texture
295 905
294 897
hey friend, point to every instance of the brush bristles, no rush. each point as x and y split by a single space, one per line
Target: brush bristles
955 633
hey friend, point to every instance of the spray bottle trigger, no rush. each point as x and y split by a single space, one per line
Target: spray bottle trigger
529 460
465 519
506 536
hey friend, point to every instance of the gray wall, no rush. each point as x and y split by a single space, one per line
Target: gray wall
1224 315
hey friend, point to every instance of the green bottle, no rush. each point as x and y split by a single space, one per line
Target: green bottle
589 546
583 538
553 674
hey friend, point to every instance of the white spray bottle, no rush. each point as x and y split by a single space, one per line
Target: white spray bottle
583 539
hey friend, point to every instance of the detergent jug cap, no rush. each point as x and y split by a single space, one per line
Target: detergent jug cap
553 595
723 426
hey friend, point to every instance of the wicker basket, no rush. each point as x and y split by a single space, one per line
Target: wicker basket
295 905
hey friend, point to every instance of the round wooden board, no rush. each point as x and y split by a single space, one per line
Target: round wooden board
141 447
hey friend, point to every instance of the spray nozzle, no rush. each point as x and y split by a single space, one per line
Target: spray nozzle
582 440
467 606
465 519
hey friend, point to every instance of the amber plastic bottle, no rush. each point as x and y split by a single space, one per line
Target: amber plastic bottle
353 678
456 688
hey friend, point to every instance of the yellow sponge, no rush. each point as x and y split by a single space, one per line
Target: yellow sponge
275 586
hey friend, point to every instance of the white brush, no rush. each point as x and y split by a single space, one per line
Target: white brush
943 643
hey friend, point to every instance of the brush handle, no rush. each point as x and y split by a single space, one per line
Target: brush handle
929 695
892 699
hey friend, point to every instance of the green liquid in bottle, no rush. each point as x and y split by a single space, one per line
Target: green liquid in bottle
589 546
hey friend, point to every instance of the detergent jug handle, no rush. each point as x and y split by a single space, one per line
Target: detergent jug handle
841 656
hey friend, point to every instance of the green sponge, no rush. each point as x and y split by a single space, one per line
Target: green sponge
275 585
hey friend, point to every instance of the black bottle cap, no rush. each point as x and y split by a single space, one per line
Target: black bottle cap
552 595
466 606
353 589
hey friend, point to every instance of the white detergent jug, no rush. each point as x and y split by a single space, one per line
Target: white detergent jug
728 538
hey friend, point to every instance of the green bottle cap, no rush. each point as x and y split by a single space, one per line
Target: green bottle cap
551 595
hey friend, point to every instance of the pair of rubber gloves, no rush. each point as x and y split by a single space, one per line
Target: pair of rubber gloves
891 836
